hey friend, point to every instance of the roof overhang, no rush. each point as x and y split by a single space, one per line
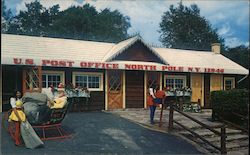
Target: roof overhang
120 65
123 46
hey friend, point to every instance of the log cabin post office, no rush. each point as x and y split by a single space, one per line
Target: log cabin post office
117 74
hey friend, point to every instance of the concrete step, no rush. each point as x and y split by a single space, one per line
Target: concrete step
202 132
235 145
208 133
204 145
239 144
229 138
234 142
242 151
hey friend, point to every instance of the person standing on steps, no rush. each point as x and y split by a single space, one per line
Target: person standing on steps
150 102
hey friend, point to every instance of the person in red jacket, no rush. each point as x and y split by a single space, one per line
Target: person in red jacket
154 98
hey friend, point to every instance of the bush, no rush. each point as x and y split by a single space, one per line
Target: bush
224 103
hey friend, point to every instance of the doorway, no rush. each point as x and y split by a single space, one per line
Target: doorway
115 91
134 89
207 91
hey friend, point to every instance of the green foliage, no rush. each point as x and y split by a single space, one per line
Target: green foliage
81 22
75 22
35 21
6 14
88 24
5 18
112 25
240 55
224 103
183 28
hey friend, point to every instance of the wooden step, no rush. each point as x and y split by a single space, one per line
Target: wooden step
234 142
235 145
229 138
241 151
208 133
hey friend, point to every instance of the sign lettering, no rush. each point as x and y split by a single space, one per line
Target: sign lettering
110 65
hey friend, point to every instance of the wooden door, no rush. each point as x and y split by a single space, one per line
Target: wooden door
115 92
196 85
134 89
32 79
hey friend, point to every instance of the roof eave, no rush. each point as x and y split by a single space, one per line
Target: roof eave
130 44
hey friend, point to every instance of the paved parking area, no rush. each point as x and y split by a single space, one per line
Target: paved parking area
105 133
141 116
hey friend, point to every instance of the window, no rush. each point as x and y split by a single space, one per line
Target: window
229 83
52 78
114 81
174 81
92 81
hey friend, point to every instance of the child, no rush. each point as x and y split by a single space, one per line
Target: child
17 116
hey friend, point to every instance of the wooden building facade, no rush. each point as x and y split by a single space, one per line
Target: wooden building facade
118 75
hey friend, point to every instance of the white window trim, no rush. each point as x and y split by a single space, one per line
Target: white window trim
229 78
176 77
62 74
89 73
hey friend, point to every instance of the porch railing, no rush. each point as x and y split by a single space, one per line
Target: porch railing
222 134
234 125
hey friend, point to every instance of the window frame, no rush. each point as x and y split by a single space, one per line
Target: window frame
74 74
184 77
232 79
49 72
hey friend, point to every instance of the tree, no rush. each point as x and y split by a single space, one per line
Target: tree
5 18
88 24
112 26
35 21
6 14
183 28
240 55
81 22
75 22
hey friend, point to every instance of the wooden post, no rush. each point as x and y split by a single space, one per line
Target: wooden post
162 107
181 103
40 81
171 117
223 140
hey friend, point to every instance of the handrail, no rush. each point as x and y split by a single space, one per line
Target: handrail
222 134
233 124
197 135
239 115
200 123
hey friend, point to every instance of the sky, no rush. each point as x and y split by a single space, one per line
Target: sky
229 17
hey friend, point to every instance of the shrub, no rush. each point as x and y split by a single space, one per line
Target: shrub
224 103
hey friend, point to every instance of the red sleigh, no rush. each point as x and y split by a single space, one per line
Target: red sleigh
46 131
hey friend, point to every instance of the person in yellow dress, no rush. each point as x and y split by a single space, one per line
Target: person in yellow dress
17 116
59 101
